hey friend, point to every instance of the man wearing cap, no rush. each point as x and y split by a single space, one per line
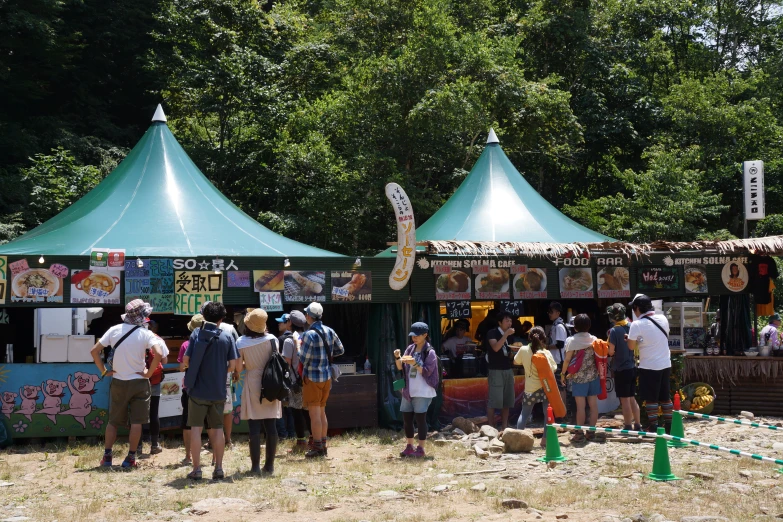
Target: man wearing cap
556 342
291 327
319 345
623 367
649 333
130 386
769 335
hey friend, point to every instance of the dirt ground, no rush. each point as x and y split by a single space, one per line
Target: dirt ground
364 479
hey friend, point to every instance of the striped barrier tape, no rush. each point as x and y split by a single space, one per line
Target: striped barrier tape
723 419
672 437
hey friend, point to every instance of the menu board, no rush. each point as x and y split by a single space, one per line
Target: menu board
696 279
171 395
193 289
658 279
576 283
30 285
452 284
491 283
515 308
3 278
614 281
302 287
529 283
350 286
238 279
153 283
270 301
458 310
95 286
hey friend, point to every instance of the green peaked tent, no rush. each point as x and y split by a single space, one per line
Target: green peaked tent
495 203
157 203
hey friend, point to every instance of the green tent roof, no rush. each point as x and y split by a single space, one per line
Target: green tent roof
495 203
157 203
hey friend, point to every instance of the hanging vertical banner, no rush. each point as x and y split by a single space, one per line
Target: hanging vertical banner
3 277
754 189
193 289
406 236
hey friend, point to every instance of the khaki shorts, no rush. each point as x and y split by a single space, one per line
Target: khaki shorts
133 396
315 393
198 410
501 389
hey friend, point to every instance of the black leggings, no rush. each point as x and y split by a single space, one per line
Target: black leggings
154 425
270 430
300 424
421 423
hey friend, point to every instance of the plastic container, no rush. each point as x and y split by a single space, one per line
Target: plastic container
367 366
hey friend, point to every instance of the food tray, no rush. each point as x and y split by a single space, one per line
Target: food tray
346 369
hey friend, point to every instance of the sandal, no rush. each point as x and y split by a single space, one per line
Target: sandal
600 436
195 474
577 437
590 436
218 474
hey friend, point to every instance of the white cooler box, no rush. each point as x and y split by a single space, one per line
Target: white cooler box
79 347
54 348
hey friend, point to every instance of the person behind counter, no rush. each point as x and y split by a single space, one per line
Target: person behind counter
455 345
769 335
500 374
419 366
130 385
534 390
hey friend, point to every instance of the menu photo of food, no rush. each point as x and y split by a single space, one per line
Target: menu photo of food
268 280
453 284
530 284
614 281
36 284
696 279
350 286
493 284
95 286
171 395
304 286
576 283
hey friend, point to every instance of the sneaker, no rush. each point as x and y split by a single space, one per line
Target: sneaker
408 451
106 461
419 453
129 463
315 453
154 450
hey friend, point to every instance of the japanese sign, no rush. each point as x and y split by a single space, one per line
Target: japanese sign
153 283
193 289
95 287
171 394
301 287
696 279
458 310
661 278
406 236
491 283
735 276
349 286
216 265
529 283
238 279
614 281
268 280
754 189
515 308
452 284
576 283
30 285
3 277
270 301
107 258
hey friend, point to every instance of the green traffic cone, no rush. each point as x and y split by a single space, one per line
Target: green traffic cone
552 446
677 431
662 470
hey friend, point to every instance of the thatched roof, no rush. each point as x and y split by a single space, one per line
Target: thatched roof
772 245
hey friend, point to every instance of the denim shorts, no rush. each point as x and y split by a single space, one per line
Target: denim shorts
415 405
587 389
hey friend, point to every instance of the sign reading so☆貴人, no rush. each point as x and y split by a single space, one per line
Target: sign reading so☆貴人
193 289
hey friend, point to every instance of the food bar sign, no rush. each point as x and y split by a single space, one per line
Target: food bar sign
754 189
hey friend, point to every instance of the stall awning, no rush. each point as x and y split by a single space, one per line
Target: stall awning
157 203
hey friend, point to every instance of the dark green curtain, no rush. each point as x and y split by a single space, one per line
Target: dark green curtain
430 313
735 323
385 334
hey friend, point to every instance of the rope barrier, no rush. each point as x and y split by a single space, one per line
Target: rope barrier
732 421
674 438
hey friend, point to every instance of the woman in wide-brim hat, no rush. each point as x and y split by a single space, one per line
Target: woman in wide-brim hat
255 349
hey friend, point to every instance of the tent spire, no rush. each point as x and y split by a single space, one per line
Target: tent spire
492 137
159 115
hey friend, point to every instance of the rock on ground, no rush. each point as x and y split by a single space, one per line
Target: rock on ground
464 424
234 503
517 441
488 431
514 503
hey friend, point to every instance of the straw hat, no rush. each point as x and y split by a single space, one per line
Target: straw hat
197 321
256 320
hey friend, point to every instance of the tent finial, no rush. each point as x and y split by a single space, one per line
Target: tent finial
159 115
492 137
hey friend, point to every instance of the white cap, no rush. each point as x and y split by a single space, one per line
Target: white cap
492 137
159 115
314 310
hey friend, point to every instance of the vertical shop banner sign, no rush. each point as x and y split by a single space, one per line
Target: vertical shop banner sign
95 286
614 281
754 189
529 283
491 283
270 301
301 287
37 285
658 279
193 289
406 236
458 310
238 279
452 284
3 277
153 283
349 286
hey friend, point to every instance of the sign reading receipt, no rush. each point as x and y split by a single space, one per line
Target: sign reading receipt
406 236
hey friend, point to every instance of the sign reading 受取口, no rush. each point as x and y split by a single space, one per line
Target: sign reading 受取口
193 289
658 279
153 282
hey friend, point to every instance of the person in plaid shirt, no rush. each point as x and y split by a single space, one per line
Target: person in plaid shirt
319 342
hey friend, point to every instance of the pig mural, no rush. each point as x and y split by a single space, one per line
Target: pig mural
53 391
9 402
30 397
82 390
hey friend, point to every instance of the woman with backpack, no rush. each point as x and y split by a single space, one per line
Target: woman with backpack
579 366
534 390
256 349
419 366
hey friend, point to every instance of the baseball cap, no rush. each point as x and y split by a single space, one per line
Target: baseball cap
419 329
298 319
774 317
314 310
640 300
283 318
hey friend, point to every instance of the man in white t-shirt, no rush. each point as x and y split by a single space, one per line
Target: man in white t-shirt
130 385
650 334
454 346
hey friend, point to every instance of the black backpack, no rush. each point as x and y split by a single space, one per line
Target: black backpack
278 378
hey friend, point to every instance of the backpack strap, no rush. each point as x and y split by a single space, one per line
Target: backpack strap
326 344
656 325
